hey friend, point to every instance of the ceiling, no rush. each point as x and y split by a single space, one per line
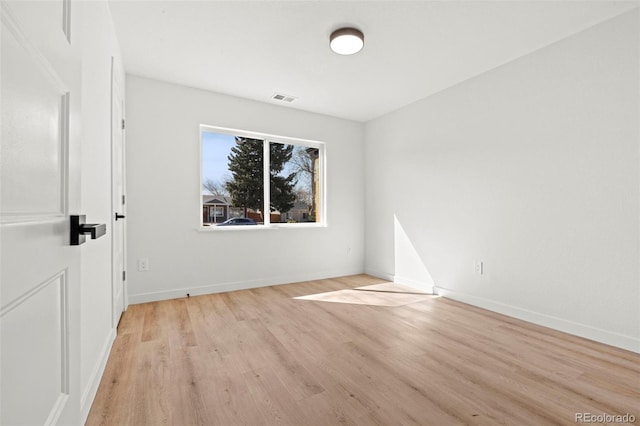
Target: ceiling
253 49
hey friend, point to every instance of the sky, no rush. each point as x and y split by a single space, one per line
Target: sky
215 150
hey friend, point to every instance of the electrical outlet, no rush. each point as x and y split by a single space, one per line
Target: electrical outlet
478 267
143 264
348 250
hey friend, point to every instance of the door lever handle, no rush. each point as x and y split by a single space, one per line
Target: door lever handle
119 216
79 228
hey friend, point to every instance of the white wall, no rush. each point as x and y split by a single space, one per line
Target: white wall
163 185
99 45
532 168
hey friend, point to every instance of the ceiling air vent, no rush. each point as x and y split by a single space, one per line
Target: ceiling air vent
283 98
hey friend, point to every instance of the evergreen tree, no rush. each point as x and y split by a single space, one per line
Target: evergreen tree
246 167
282 187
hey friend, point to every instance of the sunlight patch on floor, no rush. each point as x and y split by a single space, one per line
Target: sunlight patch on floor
386 294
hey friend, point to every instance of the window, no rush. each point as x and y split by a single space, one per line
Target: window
253 179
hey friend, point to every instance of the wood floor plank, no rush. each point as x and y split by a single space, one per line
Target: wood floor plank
273 399
190 387
116 383
264 357
133 322
297 379
151 325
150 386
177 323
320 410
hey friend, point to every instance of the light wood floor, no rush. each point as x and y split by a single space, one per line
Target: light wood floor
263 357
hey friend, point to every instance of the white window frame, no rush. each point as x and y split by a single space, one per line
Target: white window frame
267 139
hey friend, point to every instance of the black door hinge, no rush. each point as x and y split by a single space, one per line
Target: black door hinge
124 275
123 124
123 200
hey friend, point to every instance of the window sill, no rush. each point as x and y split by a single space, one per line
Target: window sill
273 226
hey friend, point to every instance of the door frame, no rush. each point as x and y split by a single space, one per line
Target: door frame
117 85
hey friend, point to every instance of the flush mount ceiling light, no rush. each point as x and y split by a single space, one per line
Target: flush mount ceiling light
346 41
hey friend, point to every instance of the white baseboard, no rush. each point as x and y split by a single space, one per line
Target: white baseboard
410 282
379 274
96 375
239 285
588 332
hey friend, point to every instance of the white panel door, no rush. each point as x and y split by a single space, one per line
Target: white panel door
39 188
118 200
